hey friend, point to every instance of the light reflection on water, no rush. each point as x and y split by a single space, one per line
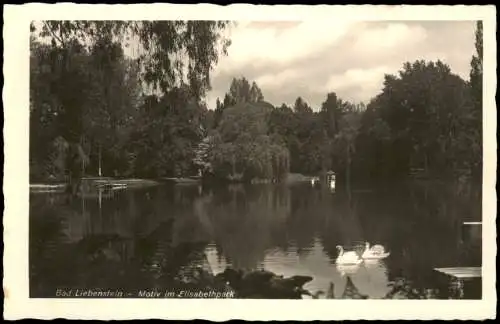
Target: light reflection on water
369 277
289 230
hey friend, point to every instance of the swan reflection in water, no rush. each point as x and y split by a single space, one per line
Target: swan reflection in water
370 277
347 269
357 281
370 281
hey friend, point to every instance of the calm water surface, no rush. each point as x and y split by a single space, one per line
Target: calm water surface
140 238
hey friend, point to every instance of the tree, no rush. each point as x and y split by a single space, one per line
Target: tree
171 128
255 93
228 101
43 114
476 85
240 91
113 104
344 146
105 86
282 123
332 109
372 144
219 108
301 107
58 96
202 155
94 89
476 73
242 148
425 108
162 41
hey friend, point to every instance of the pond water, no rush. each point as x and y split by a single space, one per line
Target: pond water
143 238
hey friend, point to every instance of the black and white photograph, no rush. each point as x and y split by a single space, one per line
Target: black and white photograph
256 159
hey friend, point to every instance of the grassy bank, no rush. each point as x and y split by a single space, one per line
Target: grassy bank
141 183
86 182
129 183
297 177
47 187
181 180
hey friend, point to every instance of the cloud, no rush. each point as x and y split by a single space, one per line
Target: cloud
392 36
309 58
357 84
280 42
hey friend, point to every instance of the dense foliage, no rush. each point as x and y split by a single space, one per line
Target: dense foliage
90 113
95 111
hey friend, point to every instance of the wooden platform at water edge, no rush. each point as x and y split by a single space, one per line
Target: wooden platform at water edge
461 272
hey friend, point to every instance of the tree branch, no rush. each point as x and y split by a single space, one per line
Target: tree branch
54 34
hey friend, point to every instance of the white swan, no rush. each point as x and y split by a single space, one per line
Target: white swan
349 257
375 252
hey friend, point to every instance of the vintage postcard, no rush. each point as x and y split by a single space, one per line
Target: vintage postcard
249 162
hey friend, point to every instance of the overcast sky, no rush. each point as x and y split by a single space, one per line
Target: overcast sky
309 59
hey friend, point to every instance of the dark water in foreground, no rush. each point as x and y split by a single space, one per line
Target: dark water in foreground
135 239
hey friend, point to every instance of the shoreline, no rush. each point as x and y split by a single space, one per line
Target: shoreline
51 186
104 181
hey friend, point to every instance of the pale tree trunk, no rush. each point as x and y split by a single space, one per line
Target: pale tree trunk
83 168
82 141
100 171
234 165
348 172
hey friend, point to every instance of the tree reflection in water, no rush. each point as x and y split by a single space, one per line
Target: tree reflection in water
172 236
